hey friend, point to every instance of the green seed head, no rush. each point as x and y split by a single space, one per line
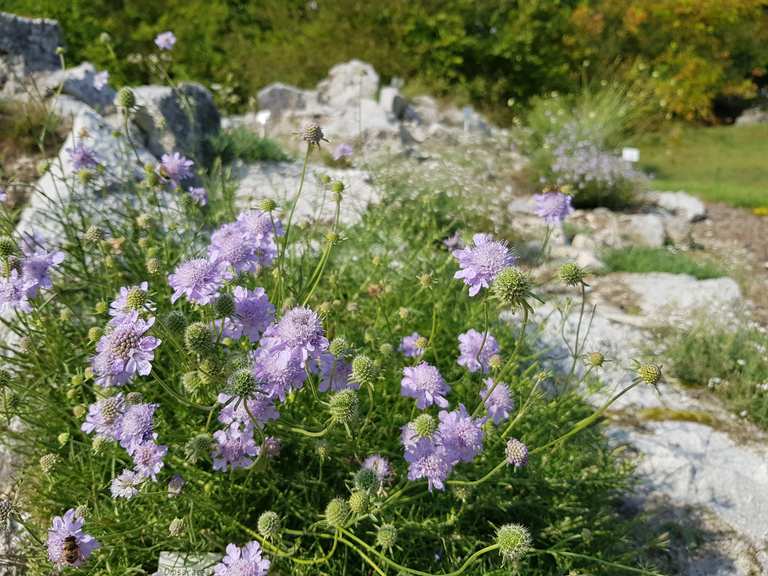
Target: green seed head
424 425
366 479
337 512
224 306
80 410
152 265
323 450
198 339
386 536
268 524
99 445
572 274
514 542
125 99
198 447
512 287
359 502
343 406
337 187
134 398
93 235
175 322
101 307
340 347
63 438
267 205
462 492
386 349
649 373
49 462
136 299
242 383
312 134
364 371
7 246
595 359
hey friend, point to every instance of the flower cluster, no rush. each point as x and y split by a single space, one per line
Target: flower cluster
477 350
482 261
24 275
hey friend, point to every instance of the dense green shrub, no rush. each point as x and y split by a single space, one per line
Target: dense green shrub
686 52
245 145
643 260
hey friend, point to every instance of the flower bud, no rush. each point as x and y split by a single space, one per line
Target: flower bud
80 410
268 524
363 371
63 438
649 373
224 306
198 339
366 479
242 383
386 536
337 512
93 235
198 447
572 274
267 205
152 265
514 541
595 359
386 349
125 99
343 406
175 322
340 348
101 307
359 502
517 453
512 287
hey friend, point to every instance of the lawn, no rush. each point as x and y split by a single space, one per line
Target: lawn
719 164
645 260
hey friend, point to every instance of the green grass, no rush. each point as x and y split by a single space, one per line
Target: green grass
732 363
719 164
640 259
242 144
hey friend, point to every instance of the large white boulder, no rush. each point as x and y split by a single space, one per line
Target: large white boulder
348 83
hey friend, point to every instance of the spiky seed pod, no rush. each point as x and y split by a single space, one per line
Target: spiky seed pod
514 541
93 235
224 306
49 462
340 348
595 359
572 274
337 512
366 479
209 373
99 445
198 447
363 371
198 339
649 373
267 205
7 246
268 524
76 380
343 406
424 425
242 383
512 287
312 134
176 527
175 322
191 382
425 280
386 536
125 99
517 453
101 307
386 349
359 502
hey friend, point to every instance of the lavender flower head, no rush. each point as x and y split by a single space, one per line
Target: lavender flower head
199 195
69 526
199 280
119 308
429 461
408 346
258 409
335 373
100 79
280 371
148 459
259 230
253 314
165 40
36 269
175 167
476 351
300 330
124 352
425 384
137 425
230 246
82 157
13 296
234 447
460 434
126 484
379 465
553 207
245 561
481 262
343 150
499 404
105 417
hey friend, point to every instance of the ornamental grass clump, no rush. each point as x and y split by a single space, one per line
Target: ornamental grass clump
254 397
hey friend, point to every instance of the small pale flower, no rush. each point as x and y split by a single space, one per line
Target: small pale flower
481 262
553 207
199 280
126 484
429 461
105 417
499 404
148 459
409 346
121 306
100 79
67 528
425 384
175 168
124 352
476 350
165 40
245 561
199 195
82 157
460 434
234 447
379 465
343 150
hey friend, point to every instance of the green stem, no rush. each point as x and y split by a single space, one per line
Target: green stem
479 481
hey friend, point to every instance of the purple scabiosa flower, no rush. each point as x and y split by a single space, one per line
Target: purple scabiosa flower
499 404
335 373
120 307
261 229
13 296
105 417
82 157
280 371
199 195
148 459
245 561
137 425
3 196
301 330
425 384
234 447
36 270
460 434
100 79
476 350
175 168
126 485
124 351
232 247
553 207
481 262
199 280
165 40
430 461
380 466
258 409
175 486
343 150
66 529
408 346
253 314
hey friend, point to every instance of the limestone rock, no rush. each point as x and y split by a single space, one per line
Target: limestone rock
27 47
753 116
77 82
683 205
347 83
177 120
365 118
279 98
392 102
644 229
